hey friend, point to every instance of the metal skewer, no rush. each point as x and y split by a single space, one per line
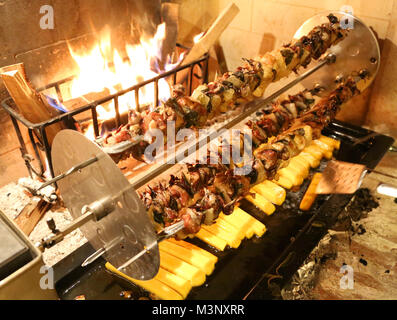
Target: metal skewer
173 229
162 235
250 109
99 253
69 172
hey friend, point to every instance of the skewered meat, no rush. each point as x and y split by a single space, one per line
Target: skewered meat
244 84
215 188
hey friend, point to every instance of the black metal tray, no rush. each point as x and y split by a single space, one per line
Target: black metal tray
259 268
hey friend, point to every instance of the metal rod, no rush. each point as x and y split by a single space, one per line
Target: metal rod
251 107
36 151
23 149
164 234
58 237
96 255
100 252
116 109
190 81
95 121
59 93
205 77
156 93
69 172
137 99
47 149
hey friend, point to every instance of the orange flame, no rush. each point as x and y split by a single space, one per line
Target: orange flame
102 68
96 75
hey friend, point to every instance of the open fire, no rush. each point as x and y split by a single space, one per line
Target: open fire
103 69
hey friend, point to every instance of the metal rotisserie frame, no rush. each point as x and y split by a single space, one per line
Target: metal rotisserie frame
260 267
37 132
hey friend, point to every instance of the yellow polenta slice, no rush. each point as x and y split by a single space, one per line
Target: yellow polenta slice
182 268
271 191
155 286
262 203
190 256
211 239
194 248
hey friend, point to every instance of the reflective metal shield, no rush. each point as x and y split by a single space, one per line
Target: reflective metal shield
125 231
359 50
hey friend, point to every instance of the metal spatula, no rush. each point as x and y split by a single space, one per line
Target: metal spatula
343 177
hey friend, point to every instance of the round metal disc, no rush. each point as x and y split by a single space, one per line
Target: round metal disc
358 51
124 232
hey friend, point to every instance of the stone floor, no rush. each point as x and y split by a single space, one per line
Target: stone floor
370 248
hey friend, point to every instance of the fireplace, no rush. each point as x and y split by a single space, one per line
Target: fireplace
83 74
37 133
49 58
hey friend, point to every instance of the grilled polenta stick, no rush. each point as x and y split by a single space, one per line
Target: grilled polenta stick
291 174
310 195
177 283
307 156
298 166
194 248
314 151
271 191
190 256
231 229
213 187
326 153
262 203
182 268
237 220
256 226
302 161
211 239
323 145
331 142
155 286
283 182
242 226
232 240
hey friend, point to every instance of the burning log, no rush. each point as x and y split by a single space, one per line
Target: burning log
32 105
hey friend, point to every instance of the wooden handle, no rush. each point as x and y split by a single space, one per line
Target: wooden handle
213 33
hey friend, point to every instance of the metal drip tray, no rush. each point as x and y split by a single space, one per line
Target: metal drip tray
242 273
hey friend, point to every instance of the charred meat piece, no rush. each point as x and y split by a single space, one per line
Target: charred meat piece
244 84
